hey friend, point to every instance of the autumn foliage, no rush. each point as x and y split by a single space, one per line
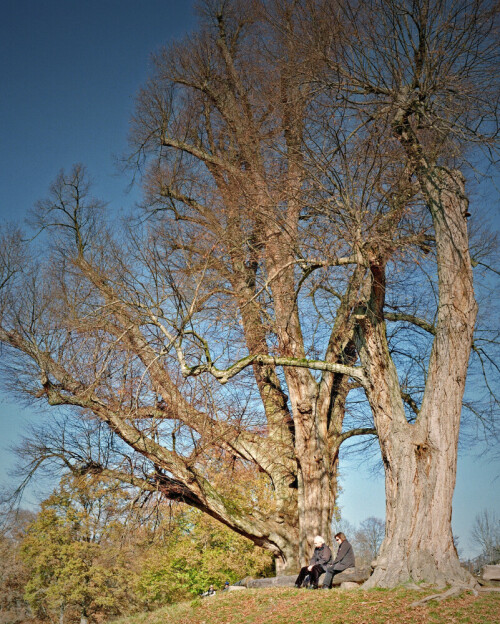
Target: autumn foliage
88 554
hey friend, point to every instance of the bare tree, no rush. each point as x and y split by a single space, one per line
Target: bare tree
238 231
103 327
229 337
368 539
486 534
421 74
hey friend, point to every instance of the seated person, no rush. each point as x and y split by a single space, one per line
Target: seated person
321 558
343 560
210 592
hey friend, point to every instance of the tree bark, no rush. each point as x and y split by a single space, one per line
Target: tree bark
420 459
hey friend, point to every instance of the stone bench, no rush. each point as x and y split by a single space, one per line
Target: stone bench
351 575
274 581
491 573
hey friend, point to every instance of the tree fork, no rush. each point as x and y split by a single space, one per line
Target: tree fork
420 459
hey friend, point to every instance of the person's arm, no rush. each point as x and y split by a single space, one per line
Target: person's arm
326 556
349 560
345 556
314 559
340 553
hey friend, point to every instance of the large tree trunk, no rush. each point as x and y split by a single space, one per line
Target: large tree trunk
420 460
315 495
315 474
317 460
420 480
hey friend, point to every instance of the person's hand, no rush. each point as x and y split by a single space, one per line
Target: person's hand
310 568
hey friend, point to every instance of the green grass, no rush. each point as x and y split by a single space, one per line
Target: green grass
292 606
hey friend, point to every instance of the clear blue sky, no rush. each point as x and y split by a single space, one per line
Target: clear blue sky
70 71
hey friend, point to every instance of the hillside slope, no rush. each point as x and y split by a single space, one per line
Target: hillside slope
292 606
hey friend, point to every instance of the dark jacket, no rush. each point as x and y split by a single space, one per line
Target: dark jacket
344 558
322 556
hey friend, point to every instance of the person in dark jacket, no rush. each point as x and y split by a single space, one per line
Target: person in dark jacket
343 560
210 592
321 558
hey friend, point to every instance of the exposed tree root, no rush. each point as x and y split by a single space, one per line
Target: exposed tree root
455 590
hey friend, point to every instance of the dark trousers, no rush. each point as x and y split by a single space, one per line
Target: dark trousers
314 575
330 573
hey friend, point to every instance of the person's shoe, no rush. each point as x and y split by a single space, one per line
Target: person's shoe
325 587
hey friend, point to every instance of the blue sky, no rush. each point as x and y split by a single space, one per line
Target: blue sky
70 71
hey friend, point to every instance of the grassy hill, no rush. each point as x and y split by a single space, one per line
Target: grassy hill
292 606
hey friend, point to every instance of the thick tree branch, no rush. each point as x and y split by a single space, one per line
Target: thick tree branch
410 318
360 431
200 154
224 375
